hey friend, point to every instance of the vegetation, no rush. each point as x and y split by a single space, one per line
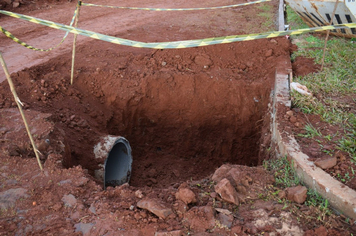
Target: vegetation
334 87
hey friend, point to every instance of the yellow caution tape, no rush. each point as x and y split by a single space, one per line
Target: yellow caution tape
175 44
175 9
9 35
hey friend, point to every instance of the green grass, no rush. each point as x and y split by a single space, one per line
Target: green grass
266 12
285 176
334 87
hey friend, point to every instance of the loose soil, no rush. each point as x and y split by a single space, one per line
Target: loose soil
185 112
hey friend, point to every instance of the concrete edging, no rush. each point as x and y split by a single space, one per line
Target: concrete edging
340 196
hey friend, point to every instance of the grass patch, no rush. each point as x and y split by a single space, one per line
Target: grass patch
284 174
334 87
267 14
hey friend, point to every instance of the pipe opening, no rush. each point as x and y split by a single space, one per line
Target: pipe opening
118 164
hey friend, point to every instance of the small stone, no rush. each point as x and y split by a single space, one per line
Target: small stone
297 194
75 215
139 194
92 209
203 60
200 219
69 200
81 181
220 173
223 211
164 63
15 4
226 220
326 163
269 53
293 119
170 233
10 196
227 191
297 124
340 156
84 228
186 195
290 113
282 194
241 189
156 207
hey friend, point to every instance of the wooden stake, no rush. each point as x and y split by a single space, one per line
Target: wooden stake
19 105
74 42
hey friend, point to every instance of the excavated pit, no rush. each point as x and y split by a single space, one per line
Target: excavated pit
185 112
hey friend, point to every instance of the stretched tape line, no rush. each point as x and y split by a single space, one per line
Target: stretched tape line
8 34
175 9
175 44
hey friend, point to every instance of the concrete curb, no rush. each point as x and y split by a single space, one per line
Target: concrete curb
341 197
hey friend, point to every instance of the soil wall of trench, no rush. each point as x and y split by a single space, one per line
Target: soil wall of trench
185 112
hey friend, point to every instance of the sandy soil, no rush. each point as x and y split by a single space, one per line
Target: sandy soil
185 112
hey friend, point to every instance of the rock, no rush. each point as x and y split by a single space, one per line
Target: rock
236 230
84 228
220 173
293 119
139 194
69 200
67 181
170 233
92 209
81 181
340 156
156 207
290 113
282 194
180 208
269 53
241 189
223 211
227 191
297 194
326 163
226 220
186 195
10 196
203 60
15 4
200 219
75 215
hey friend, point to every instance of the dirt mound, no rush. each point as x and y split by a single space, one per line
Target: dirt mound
302 66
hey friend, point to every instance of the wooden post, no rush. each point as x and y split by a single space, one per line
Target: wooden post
74 42
19 105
